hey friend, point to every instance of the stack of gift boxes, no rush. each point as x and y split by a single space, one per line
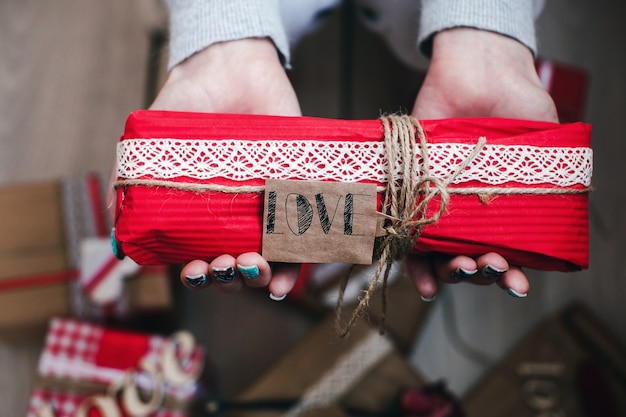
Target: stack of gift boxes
57 261
59 273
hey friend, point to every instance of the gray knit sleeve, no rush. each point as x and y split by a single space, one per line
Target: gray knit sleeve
513 18
196 24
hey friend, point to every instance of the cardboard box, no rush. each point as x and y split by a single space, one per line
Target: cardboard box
570 365
35 272
42 225
331 375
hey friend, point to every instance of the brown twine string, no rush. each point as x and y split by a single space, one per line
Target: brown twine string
202 188
405 216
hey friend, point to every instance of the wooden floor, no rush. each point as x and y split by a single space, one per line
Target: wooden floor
71 70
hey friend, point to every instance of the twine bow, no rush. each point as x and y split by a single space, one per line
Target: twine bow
405 203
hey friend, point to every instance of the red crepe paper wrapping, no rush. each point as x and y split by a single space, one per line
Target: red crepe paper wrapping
85 368
159 225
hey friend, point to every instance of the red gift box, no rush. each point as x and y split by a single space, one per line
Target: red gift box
85 368
179 179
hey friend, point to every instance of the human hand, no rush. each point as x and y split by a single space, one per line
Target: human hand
475 73
243 76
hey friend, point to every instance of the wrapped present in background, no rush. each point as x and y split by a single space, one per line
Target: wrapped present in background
567 85
84 367
39 257
570 365
47 230
189 184
364 374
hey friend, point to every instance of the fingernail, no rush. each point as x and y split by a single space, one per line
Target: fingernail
463 274
492 272
195 280
428 299
226 274
115 246
515 294
248 272
278 297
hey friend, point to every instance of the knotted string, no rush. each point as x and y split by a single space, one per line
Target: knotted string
405 203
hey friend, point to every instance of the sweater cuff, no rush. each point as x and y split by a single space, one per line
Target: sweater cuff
197 24
512 18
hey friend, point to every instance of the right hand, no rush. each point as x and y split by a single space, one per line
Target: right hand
243 76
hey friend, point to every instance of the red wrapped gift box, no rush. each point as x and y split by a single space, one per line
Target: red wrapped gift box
85 367
538 219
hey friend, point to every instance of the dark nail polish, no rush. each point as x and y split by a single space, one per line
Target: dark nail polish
224 274
516 294
493 273
195 280
463 274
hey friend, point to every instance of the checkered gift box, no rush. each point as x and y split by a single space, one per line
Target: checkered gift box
87 367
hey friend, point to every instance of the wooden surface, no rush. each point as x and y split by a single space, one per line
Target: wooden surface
71 70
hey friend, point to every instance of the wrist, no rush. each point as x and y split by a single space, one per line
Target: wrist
476 73
231 59
486 56
242 76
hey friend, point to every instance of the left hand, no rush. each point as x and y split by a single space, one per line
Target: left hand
475 73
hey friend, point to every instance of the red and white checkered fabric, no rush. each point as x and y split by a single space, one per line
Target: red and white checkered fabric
65 404
77 352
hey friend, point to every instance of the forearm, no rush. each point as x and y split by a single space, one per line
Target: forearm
197 24
511 18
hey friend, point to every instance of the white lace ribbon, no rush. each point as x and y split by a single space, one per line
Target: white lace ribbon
245 160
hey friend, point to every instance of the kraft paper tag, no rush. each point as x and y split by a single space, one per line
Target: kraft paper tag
319 222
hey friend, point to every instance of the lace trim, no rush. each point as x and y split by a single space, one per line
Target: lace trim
243 160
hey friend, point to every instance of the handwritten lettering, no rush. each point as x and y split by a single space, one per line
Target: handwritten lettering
271 213
304 213
306 221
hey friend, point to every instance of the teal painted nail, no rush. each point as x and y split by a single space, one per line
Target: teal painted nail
461 274
515 294
195 280
226 274
115 246
248 272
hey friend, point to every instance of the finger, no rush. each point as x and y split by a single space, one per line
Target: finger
456 269
492 267
515 282
195 275
284 277
253 269
224 274
420 271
